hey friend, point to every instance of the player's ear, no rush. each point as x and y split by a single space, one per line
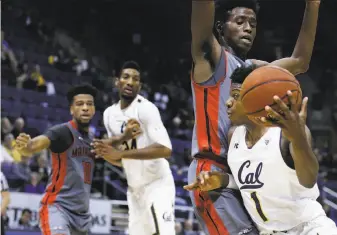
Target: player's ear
140 87
71 110
219 27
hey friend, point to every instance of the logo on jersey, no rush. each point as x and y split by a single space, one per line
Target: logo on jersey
168 216
123 126
236 145
249 179
266 142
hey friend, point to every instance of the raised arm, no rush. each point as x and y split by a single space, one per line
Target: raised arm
299 61
206 50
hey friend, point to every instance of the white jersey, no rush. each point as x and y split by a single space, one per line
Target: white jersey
271 192
140 172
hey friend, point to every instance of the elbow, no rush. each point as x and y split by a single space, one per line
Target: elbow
311 180
302 65
167 152
308 184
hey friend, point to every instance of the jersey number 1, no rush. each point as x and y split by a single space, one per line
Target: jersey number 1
258 206
87 172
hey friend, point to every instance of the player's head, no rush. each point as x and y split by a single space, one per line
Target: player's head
234 105
82 103
235 23
128 81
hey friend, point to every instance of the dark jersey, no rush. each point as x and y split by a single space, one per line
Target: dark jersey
72 170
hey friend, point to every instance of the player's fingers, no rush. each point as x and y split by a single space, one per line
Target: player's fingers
21 142
136 133
304 109
268 122
292 101
192 186
282 106
24 136
132 121
272 115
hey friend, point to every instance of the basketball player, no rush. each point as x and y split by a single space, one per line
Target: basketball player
151 190
274 167
214 60
65 204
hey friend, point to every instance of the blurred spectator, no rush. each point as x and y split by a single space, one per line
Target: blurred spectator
5 156
6 127
5 199
188 228
41 166
179 229
7 55
40 81
23 75
34 186
22 171
26 219
19 125
9 146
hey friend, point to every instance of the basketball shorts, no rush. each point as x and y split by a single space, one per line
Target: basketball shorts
151 208
54 221
221 211
321 225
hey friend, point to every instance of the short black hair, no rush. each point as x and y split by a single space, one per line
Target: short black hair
81 89
223 7
239 75
130 64
26 210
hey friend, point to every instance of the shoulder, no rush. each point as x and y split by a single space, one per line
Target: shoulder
142 103
60 130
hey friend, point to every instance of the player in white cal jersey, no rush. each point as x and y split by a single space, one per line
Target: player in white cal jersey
142 145
274 167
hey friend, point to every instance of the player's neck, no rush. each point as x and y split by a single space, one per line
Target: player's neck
254 132
81 127
126 102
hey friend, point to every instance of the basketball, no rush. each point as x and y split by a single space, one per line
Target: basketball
263 84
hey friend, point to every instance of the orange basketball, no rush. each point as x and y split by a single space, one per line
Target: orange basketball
263 84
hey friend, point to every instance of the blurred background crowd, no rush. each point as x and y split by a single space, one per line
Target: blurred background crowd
48 46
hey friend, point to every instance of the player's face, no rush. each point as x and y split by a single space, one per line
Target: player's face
129 83
83 108
240 29
235 108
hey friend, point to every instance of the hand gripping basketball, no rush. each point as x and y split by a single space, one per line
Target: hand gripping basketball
289 119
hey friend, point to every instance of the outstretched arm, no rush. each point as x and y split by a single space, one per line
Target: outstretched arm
206 50
27 146
58 139
299 61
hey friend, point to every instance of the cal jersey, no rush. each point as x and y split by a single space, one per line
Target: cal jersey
140 172
209 101
271 192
